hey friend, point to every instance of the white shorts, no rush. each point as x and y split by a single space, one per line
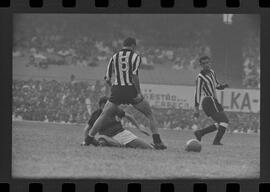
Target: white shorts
125 137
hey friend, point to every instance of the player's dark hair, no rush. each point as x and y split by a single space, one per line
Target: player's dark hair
203 58
102 100
128 42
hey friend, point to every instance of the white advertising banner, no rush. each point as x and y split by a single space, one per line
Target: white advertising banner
168 96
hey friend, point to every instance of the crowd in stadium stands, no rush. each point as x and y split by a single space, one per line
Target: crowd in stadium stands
72 102
59 44
85 51
251 65
64 40
47 47
42 100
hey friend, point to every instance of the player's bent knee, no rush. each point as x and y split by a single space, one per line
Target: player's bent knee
224 124
220 117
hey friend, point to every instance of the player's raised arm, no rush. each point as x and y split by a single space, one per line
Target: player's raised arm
198 91
109 71
215 78
136 61
219 86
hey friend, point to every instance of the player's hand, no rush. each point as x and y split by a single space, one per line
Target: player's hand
90 141
83 143
196 114
139 98
109 83
226 86
223 86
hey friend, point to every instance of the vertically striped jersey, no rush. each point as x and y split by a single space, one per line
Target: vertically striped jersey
206 84
123 64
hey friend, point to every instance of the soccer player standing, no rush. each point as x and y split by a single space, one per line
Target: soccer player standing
206 83
126 90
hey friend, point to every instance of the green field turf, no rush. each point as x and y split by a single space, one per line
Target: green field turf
46 150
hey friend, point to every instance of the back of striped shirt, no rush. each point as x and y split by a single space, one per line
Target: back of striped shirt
206 84
123 65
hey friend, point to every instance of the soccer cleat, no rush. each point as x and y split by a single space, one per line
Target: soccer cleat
217 143
219 135
159 146
198 135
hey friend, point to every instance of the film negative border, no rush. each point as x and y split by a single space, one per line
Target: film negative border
129 187
130 3
261 185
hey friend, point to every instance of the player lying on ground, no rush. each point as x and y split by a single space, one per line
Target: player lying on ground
112 132
207 83
126 90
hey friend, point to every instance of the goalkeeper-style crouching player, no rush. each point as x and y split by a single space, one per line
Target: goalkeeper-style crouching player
112 132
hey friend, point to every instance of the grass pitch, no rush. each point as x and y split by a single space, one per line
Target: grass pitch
47 150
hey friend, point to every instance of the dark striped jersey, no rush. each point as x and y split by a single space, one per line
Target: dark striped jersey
123 65
206 84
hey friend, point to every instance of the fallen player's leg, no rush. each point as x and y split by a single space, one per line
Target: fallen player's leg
124 137
108 141
137 143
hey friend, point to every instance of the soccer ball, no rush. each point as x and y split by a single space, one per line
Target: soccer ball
193 145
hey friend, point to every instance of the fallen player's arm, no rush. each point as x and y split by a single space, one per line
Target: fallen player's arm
134 122
86 130
88 126
85 134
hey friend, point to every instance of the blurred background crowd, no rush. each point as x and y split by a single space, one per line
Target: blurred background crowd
80 40
169 45
73 102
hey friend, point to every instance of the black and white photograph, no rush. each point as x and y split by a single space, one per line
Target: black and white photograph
136 96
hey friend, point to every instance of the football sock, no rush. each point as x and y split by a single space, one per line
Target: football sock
208 129
219 135
156 138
